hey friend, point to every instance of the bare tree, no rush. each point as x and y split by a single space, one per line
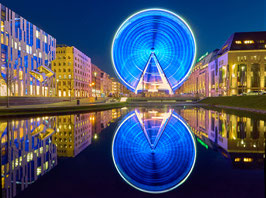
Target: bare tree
70 86
10 82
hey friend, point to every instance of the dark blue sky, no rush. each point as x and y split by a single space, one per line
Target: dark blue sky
90 25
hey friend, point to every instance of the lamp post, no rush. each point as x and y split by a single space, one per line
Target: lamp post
95 74
57 80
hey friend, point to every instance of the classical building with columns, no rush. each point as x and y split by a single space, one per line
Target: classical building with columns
239 67
26 54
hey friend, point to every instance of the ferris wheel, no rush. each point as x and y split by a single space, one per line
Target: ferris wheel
153 50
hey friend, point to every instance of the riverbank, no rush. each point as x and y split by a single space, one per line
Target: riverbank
58 108
256 104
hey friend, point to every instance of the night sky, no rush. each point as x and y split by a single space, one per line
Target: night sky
90 25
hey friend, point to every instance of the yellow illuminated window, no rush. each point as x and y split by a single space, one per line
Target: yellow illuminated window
238 42
247 159
2 26
248 41
39 170
2 38
237 159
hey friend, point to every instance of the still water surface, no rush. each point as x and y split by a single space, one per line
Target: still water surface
173 152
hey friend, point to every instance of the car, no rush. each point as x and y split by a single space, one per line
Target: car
262 93
253 93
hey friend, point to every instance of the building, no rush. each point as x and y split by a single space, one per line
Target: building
116 88
74 134
106 84
73 72
96 81
198 80
237 68
27 153
26 54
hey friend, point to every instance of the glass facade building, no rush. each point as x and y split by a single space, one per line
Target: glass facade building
26 54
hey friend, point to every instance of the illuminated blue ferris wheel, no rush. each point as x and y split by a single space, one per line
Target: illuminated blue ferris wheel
153 50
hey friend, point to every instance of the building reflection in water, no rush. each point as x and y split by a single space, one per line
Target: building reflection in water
154 150
27 152
30 148
240 139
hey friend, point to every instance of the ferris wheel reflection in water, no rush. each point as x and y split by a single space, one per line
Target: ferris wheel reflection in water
154 151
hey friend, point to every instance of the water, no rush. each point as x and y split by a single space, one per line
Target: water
181 152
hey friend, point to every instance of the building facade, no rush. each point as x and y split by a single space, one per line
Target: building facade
96 81
73 72
237 68
26 54
106 84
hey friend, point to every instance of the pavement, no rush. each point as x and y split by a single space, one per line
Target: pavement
85 105
83 102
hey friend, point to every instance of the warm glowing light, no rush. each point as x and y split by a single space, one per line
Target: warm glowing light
247 159
123 99
248 41
238 42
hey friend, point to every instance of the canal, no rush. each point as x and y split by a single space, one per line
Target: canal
134 152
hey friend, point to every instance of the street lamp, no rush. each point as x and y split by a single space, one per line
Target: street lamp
57 80
95 74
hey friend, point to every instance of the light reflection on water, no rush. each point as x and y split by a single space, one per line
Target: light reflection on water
31 147
154 151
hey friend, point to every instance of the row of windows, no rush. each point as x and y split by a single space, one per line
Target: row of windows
255 58
64 64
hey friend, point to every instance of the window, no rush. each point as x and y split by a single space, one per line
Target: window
238 42
59 70
54 64
248 41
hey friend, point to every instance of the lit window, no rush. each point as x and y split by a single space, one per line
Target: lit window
248 41
238 42
37 34
39 170
247 159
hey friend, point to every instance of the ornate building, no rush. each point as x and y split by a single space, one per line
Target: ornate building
238 67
